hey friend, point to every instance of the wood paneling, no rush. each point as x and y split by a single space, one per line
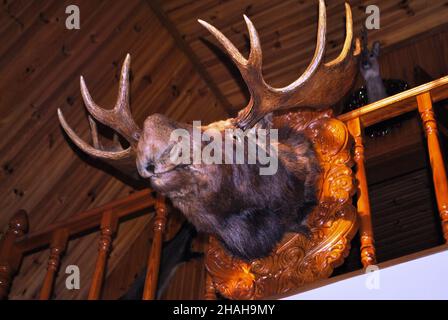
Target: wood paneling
405 218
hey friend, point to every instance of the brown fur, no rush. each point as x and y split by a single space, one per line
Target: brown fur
247 211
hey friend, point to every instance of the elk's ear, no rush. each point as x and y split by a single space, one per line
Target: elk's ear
376 48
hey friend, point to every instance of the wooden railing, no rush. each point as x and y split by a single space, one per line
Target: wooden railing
17 243
421 98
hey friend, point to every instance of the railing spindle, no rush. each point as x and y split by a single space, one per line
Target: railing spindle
426 111
109 223
10 256
57 248
368 256
152 272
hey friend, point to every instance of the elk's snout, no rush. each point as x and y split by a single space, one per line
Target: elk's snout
366 64
145 167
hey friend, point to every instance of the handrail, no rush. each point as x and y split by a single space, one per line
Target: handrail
398 104
86 220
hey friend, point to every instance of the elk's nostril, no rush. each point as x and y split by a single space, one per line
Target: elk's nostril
150 167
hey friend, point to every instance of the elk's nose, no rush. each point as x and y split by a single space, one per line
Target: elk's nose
150 167
145 167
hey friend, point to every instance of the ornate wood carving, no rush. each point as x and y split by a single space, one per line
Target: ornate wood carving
298 260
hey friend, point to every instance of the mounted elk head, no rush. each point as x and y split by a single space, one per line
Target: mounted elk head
247 211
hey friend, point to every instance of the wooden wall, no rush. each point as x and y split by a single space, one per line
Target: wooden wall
40 63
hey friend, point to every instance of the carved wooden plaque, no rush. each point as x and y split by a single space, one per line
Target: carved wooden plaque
298 260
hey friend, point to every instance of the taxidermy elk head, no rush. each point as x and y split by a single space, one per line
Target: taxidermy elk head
247 211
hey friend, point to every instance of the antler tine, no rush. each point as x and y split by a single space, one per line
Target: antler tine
94 132
232 51
255 55
120 117
96 141
112 155
96 111
122 104
318 53
348 43
251 68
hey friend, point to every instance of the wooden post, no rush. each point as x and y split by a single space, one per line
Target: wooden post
425 108
152 272
10 256
57 248
368 256
109 223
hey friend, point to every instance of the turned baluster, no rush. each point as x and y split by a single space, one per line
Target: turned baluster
10 256
368 256
109 224
57 247
152 272
436 159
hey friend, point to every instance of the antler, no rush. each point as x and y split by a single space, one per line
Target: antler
321 85
119 118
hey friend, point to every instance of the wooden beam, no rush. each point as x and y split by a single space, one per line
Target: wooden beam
186 49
